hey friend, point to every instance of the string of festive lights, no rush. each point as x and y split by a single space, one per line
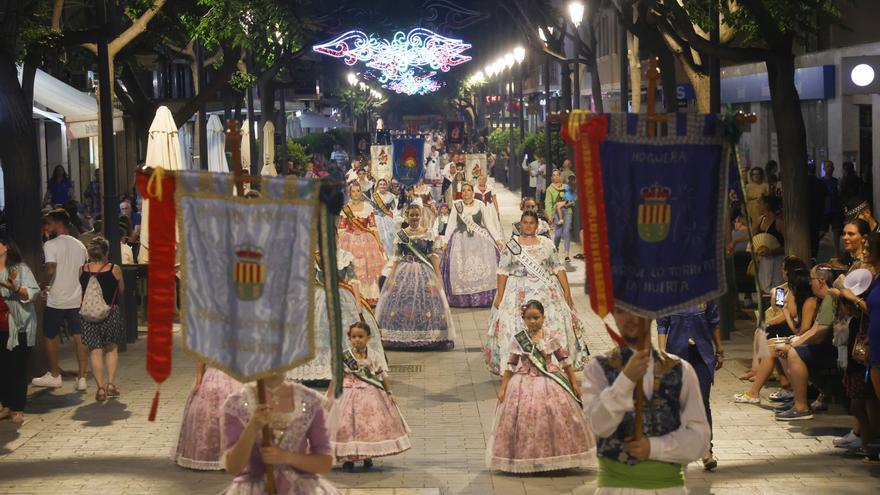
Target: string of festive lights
408 61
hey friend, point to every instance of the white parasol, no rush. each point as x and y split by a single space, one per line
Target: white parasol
216 146
163 150
269 150
246 144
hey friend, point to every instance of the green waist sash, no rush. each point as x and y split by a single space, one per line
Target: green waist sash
646 475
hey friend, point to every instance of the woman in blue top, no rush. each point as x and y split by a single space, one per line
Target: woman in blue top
58 191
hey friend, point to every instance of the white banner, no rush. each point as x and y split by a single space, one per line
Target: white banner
471 162
383 165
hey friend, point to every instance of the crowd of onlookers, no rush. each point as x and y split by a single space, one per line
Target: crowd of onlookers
819 317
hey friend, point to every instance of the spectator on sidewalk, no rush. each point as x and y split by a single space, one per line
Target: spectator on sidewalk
851 185
817 199
833 218
59 189
566 171
127 210
809 352
755 190
537 169
694 335
64 257
102 336
18 329
774 182
858 208
93 194
770 259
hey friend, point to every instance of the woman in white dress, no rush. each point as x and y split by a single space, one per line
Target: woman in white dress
473 241
387 220
486 194
530 270
352 308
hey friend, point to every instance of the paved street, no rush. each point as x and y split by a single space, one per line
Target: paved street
72 445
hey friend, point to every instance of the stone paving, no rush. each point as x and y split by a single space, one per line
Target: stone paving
72 445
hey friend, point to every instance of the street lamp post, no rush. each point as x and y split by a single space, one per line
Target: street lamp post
576 13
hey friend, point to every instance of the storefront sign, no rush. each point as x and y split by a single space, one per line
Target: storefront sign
813 83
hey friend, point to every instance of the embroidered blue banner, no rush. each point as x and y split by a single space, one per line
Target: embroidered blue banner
409 162
665 200
247 272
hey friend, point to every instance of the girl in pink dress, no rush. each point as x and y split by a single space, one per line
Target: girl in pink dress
365 421
539 424
299 452
359 236
198 444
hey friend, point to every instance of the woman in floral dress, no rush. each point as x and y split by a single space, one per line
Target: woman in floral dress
530 270
412 311
359 236
473 240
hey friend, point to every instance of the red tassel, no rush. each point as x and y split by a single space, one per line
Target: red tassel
154 407
615 336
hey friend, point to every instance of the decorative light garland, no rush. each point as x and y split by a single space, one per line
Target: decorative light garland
405 64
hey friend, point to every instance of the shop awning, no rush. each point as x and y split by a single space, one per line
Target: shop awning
79 109
318 121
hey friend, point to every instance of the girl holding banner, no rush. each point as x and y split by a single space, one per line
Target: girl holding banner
530 270
539 424
359 236
472 247
412 311
387 221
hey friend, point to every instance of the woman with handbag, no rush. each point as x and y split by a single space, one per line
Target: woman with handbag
18 329
101 322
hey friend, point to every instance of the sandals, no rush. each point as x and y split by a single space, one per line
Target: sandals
748 375
101 395
17 417
112 391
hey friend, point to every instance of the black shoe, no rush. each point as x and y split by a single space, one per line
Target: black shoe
368 463
348 466
784 406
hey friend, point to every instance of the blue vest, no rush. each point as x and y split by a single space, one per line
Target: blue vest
662 414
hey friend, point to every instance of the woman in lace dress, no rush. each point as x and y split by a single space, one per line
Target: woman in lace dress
387 220
198 444
359 236
530 270
473 240
412 311
300 450
351 307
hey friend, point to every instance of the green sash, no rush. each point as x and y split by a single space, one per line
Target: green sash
537 359
407 241
646 475
362 374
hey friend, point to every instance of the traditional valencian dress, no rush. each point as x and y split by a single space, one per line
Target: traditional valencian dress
674 421
540 425
412 311
531 275
487 197
387 221
320 367
429 211
302 430
364 421
358 236
471 255
198 444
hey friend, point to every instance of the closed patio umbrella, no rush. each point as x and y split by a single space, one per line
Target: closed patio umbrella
163 150
216 146
269 150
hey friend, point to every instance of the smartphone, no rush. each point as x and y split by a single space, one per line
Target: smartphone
780 297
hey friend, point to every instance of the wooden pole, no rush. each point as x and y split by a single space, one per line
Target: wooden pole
651 121
233 140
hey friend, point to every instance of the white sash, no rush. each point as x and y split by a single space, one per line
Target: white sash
468 221
531 265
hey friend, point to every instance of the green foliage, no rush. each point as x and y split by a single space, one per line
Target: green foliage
499 140
535 144
321 142
297 153
241 80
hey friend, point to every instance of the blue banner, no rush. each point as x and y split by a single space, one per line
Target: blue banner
665 205
247 273
409 162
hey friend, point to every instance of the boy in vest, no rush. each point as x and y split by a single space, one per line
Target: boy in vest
675 430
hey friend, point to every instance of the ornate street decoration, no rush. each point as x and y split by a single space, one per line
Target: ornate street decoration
407 63
446 15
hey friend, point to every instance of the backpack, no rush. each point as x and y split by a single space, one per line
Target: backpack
94 308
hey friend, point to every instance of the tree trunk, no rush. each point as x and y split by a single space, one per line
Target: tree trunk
267 101
700 82
20 165
792 138
565 85
667 76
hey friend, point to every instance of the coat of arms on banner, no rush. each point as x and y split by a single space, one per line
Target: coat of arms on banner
381 156
654 213
409 165
247 273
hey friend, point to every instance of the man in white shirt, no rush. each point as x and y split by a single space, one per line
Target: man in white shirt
65 257
537 170
676 431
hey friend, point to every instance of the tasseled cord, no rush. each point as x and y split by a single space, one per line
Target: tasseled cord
155 406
